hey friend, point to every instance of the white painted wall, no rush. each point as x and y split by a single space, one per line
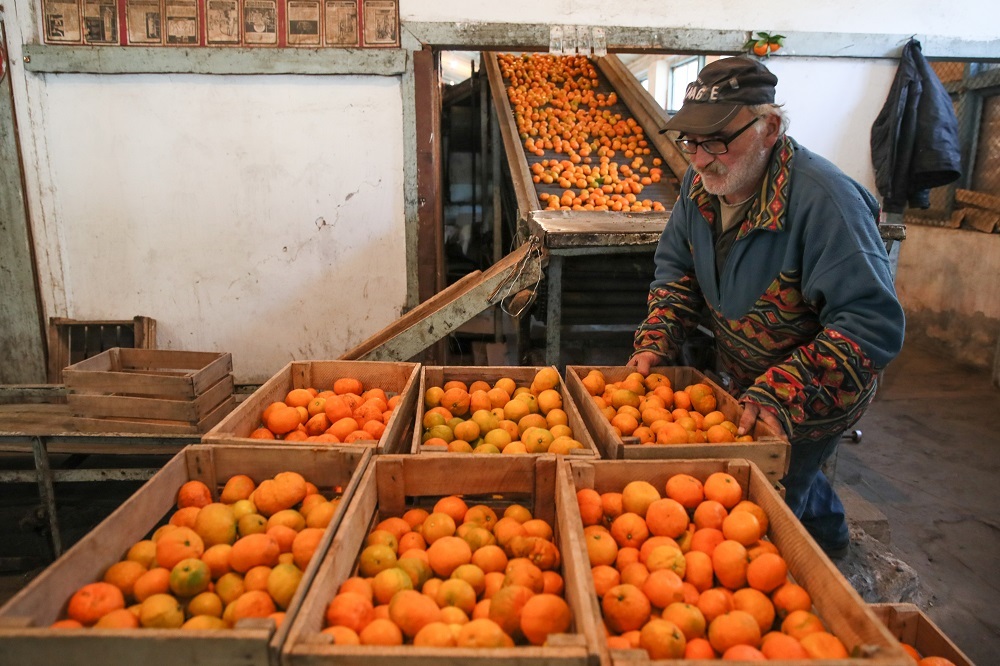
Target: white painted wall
946 282
832 105
853 16
258 215
263 215
265 227
942 256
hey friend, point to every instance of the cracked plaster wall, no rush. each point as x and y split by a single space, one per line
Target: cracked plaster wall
260 215
946 281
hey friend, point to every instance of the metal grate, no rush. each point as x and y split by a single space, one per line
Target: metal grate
975 91
986 172
949 71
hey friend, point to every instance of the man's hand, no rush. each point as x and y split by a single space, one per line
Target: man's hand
751 412
643 361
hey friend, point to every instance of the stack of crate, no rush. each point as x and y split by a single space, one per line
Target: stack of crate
152 391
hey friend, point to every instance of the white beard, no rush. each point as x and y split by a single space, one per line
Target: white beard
720 180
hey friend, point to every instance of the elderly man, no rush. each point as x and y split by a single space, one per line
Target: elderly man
779 252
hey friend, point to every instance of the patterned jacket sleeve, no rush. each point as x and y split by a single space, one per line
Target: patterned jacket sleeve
673 312
829 377
828 381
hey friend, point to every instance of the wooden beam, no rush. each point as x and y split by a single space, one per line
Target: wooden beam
411 206
493 36
566 229
411 317
22 353
43 58
524 188
454 306
631 39
430 226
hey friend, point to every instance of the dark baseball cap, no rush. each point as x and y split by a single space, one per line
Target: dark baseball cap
722 88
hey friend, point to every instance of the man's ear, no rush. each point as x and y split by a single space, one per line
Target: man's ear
772 124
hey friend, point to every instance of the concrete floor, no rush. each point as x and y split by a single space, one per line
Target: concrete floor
922 486
927 461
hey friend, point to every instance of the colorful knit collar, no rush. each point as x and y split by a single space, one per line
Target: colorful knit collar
768 210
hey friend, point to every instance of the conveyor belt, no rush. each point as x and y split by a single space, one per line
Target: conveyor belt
590 228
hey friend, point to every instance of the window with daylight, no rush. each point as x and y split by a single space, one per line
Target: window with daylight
681 74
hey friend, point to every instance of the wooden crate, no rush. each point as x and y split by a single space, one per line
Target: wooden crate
24 620
911 625
522 376
770 450
394 378
393 484
73 340
153 391
834 600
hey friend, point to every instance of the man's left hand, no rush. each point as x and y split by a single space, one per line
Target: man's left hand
751 412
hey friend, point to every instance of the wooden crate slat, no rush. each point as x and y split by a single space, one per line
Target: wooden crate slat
101 406
152 426
435 476
238 647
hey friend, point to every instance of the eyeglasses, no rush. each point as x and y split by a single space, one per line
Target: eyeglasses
715 146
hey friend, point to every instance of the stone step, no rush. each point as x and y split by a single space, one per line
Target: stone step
864 515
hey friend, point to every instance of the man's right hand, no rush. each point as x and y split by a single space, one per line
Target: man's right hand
643 361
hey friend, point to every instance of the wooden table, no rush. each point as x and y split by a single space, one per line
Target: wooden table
41 427
579 234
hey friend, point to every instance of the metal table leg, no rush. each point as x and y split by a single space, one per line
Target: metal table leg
553 314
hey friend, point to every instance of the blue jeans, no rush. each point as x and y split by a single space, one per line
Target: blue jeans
810 496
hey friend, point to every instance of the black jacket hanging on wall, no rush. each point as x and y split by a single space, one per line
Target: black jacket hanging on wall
914 139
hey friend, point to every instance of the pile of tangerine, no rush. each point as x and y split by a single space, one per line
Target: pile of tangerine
556 109
456 576
345 413
651 410
690 574
215 562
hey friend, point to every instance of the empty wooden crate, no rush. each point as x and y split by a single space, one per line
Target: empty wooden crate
150 391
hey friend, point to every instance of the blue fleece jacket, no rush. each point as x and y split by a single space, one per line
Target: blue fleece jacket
804 312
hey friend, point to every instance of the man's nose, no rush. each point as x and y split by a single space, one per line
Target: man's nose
702 158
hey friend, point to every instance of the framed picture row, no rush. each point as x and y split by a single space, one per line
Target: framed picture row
243 23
